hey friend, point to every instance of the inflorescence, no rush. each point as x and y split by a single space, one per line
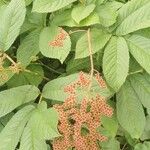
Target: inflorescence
78 122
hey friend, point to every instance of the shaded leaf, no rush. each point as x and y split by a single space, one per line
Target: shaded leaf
146 132
33 76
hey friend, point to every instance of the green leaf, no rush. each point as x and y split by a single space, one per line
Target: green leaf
146 132
134 66
130 112
12 20
76 65
99 38
107 14
30 141
110 124
33 21
34 76
44 6
142 146
80 12
28 2
141 86
133 16
2 3
28 48
4 120
48 35
12 132
140 49
55 88
111 144
116 62
12 98
63 18
5 76
46 122
44 128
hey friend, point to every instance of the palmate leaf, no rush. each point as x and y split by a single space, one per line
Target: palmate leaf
55 88
12 98
99 38
130 112
30 141
140 49
48 35
116 62
33 125
11 21
133 16
10 135
42 6
46 122
41 126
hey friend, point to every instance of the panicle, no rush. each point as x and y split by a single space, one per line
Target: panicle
100 80
59 39
78 122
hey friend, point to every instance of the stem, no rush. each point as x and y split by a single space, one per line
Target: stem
124 146
10 59
71 32
40 99
91 56
139 71
51 69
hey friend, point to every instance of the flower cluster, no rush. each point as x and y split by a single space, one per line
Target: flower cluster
59 39
78 122
3 74
100 80
82 82
15 68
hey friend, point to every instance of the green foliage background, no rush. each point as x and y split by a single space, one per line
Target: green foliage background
120 37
